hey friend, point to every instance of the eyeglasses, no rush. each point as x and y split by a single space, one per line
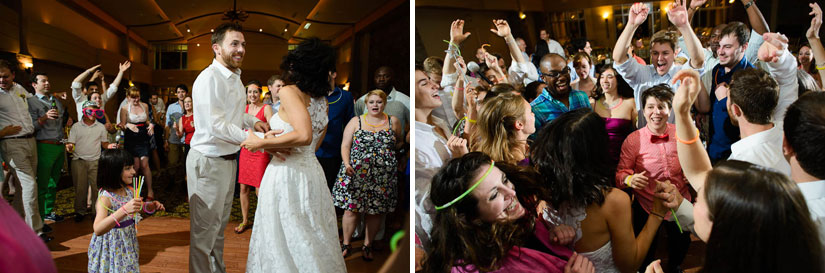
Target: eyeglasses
96 113
556 74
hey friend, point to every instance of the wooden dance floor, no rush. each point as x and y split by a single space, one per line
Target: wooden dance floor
164 247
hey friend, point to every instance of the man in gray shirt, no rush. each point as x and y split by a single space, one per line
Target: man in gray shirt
49 118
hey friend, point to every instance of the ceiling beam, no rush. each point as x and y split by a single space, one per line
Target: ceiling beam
366 21
166 18
107 20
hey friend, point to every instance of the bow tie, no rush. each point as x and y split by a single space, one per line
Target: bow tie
654 138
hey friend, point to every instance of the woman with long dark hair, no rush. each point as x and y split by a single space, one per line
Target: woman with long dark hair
614 102
571 156
296 229
482 224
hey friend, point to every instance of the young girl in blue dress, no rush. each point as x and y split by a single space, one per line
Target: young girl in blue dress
114 244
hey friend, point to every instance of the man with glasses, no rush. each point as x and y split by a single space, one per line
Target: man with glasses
173 144
558 97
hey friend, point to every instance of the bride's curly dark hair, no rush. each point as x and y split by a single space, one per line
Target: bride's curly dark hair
308 67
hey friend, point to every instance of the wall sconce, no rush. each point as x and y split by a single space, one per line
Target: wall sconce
346 86
605 15
522 15
25 61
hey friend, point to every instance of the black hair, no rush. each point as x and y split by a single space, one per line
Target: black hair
756 93
308 66
182 86
532 91
35 74
577 44
459 237
622 87
661 92
90 84
572 157
255 82
745 202
804 128
222 29
110 168
739 30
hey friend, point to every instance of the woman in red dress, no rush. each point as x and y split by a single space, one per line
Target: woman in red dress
252 164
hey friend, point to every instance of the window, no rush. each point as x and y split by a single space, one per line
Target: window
568 24
170 56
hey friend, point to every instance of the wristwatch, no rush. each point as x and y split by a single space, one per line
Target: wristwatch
749 4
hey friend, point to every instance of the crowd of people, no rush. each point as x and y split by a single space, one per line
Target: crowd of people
306 147
557 163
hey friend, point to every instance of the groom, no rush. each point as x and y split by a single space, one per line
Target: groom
218 98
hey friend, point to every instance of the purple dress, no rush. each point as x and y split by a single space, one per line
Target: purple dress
617 131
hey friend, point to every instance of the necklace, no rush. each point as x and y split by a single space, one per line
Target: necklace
377 125
336 100
604 102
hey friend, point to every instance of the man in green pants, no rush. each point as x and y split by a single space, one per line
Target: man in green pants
49 117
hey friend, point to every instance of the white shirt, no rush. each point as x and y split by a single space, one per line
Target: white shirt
784 72
87 140
79 98
445 111
394 95
218 101
430 154
641 77
814 193
522 74
14 110
555 47
764 149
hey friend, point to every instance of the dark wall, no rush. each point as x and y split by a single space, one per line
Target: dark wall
386 42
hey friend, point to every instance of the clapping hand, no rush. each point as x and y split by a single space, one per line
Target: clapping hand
774 46
638 14
502 28
688 90
677 14
457 34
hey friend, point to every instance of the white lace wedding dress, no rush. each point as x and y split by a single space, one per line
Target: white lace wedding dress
295 227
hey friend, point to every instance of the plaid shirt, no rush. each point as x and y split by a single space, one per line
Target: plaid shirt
546 108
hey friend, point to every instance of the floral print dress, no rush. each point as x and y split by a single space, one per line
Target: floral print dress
117 250
372 188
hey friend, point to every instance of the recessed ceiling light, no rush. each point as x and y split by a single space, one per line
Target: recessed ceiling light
188 30
212 30
307 25
260 30
198 44
285 29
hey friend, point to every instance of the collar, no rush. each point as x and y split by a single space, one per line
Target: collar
773 135
740 65
392 93
812 190
43 96
654 136
225 72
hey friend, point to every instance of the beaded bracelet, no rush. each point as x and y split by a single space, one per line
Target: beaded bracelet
689 141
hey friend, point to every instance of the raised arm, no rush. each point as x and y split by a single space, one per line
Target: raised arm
457 36
755 17
693 157
110 92
638 15
77 83
813 39
503 30
458 96
694 6
677 14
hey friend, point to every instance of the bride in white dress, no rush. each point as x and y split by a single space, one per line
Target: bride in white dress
295 224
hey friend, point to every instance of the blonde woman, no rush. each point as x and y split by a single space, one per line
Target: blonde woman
367 180
503 126
137 129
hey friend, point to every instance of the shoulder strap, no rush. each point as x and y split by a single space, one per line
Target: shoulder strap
359 122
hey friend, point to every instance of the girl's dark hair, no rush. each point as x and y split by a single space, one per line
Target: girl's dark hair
532 91
572 157
459 237
622 87
110 167
308 67
761 222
